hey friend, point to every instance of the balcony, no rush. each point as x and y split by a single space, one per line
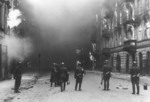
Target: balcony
130 46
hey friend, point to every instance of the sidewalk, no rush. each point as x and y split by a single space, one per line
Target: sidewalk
143 79
6 86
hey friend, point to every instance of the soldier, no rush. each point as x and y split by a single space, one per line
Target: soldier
64 77
18 76
135 74
57 75
53 74
106 75
79 73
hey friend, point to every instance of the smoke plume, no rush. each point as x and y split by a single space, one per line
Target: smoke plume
18 48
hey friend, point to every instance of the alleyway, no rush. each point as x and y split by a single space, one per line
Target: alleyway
120 91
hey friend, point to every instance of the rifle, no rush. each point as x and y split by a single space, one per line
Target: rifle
102 79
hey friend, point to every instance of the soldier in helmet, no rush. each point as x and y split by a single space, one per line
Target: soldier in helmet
53 75
18 76
106 75
79 73
64 77
135 77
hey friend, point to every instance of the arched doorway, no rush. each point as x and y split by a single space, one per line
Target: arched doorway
147 67
118 63
141 62
127 63
112 61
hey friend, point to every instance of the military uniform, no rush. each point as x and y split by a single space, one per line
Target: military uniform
64 77
79 73
135 73
106 76
17 77
53 75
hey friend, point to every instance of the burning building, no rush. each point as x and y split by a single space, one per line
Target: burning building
5 5
126 35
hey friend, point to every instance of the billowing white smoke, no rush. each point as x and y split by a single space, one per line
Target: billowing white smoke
18 48
14 18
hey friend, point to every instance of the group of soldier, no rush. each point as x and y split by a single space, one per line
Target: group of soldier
134 72
60 76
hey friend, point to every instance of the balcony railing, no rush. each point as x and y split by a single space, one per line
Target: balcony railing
130 45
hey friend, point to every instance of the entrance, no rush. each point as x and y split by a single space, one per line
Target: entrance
141 62
147 67
127 63
118 63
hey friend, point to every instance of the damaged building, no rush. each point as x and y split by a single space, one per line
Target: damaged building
125 35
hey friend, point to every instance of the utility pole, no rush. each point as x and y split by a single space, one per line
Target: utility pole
39 55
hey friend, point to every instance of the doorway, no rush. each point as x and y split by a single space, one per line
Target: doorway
141 62
127 63
118 63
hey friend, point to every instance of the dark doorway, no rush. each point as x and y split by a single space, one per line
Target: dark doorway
127 63
118 63
141 62
147 67
112 62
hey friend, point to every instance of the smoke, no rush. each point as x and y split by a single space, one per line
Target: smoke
64 25
66 16
18 48
14 18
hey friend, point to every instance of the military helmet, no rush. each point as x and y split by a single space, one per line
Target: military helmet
134 63
62 63
19 62
106 62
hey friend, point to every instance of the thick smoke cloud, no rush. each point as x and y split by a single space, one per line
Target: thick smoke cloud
18 48
63 26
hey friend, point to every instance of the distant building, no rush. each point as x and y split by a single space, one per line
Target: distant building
125 35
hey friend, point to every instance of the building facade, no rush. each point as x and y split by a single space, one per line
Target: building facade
5 5
125 35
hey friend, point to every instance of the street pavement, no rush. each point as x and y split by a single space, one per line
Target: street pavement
123 76
7 86
92 91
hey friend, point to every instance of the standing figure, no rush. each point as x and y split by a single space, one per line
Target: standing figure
106 75
64 77
53 74
135 77
17 77
79 73
57 75
92 58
